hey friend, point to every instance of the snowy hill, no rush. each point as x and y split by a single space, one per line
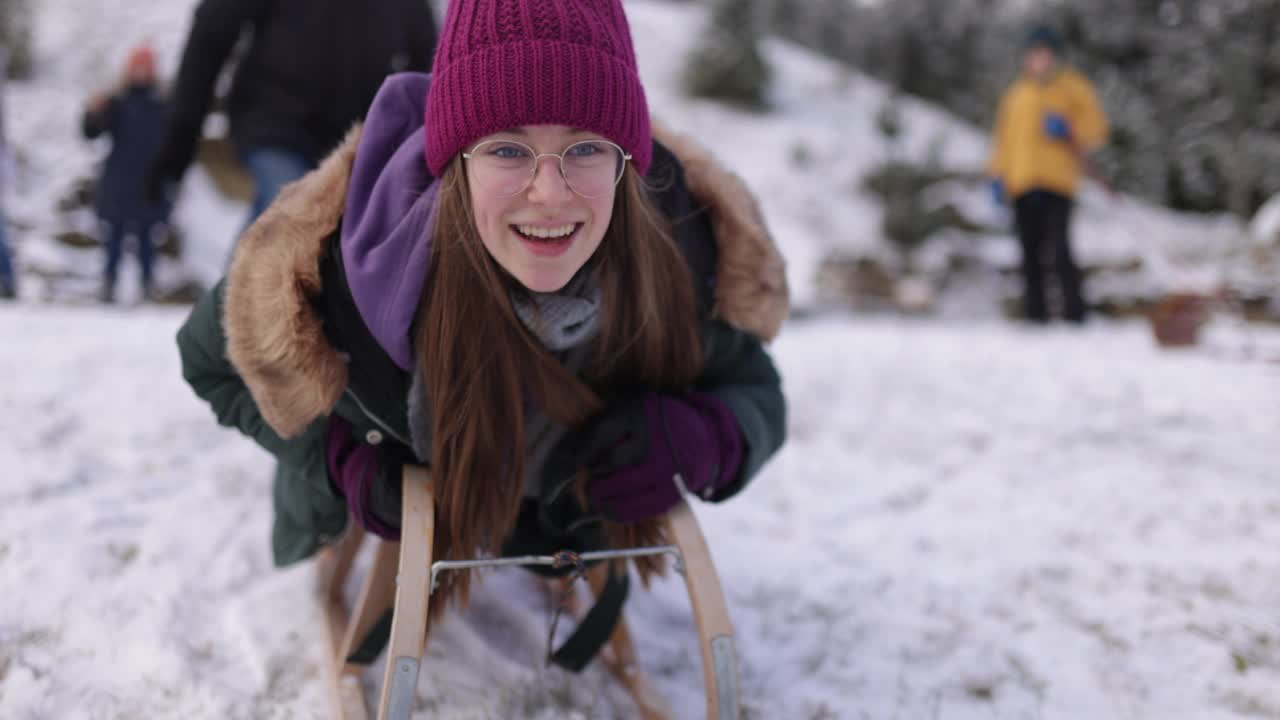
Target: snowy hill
822 112
969 520
828 114
80 50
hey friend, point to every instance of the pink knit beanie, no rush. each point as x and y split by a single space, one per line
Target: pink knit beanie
506 63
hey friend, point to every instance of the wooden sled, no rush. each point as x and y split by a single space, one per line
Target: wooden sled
402 575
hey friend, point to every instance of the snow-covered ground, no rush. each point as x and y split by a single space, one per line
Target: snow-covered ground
969 520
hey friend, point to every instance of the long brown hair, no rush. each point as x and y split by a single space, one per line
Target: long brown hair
483 368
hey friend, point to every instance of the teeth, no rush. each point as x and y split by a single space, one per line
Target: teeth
543 232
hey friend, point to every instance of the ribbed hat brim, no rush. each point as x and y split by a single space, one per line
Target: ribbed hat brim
535 82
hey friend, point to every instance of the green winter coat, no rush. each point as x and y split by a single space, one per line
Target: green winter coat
255 347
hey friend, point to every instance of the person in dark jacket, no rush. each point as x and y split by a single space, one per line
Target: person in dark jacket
309 71
133 116
501 293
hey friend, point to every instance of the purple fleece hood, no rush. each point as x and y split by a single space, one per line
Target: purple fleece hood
391 202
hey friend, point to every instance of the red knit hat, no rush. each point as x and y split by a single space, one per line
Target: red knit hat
506 63
141 58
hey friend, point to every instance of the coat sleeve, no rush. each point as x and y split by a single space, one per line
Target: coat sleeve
202 345
215 29
741 374
94 123
306 506
1088 122
422 37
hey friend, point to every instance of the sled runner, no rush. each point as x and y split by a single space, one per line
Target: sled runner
402 576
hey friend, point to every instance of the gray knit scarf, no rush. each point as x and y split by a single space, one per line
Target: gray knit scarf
563 319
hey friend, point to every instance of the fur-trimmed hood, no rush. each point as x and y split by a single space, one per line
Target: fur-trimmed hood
276 340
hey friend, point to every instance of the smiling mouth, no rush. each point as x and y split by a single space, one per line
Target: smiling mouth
547 235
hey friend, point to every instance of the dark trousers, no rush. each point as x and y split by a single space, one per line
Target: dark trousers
1043 222
114 234
8 283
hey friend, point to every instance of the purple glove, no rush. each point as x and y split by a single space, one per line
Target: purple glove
354 470
635 450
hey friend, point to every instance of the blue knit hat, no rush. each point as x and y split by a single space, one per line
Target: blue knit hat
1043 36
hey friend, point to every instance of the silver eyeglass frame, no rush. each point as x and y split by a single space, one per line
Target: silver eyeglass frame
533 173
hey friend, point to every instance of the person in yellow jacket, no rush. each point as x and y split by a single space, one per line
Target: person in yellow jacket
1048 121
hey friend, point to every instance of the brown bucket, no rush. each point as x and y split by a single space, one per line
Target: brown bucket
1176 320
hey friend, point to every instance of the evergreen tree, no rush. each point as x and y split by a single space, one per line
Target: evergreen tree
727 65
15 36
1196 121
1192 88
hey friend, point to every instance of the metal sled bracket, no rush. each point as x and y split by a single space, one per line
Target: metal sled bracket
440 566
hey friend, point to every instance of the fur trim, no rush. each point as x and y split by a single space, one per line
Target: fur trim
751 279
274 338
277 343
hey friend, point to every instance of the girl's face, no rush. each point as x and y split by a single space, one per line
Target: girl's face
543 234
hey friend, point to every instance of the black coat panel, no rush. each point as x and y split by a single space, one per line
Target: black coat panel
308 70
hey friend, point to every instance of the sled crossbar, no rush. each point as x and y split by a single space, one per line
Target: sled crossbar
560 559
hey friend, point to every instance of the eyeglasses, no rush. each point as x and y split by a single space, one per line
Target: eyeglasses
591 168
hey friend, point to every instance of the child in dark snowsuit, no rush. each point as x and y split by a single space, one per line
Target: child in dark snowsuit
134 117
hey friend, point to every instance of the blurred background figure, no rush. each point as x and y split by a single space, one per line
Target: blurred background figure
8 284
308 71
1047 123
8 281
133 115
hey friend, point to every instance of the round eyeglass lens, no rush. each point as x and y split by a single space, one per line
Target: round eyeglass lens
502 167
592 167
